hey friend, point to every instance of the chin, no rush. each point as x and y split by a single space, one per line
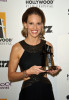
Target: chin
34 36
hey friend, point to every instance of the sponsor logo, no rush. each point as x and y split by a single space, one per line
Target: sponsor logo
3 36
48 29
67 76
67 97
3 99
4 64
5 85
2 25
39 3
3 0
68 11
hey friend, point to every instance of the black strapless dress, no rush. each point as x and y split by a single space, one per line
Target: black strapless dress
37 87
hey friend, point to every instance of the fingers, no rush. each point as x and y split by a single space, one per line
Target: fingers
40 70
58 68
36 69
54 72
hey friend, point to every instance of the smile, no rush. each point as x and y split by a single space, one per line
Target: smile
34 31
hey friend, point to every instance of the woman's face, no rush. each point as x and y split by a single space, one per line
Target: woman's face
34 25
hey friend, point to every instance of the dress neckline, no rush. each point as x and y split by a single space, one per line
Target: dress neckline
32 48
32 45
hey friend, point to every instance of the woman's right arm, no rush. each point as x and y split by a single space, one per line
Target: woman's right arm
13 64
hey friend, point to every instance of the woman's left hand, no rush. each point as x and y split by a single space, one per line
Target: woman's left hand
54 72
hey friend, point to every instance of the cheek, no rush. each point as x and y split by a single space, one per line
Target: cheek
29 27
40 27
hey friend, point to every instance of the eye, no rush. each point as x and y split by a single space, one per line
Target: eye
30 23
39 23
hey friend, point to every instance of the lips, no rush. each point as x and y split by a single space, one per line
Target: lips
34 31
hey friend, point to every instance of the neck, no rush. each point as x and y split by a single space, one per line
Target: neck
32 41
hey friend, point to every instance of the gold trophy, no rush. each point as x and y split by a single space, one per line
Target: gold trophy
48 62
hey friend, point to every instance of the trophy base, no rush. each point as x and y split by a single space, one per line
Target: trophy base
46 68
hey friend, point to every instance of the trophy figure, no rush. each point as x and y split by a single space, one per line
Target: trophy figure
48 62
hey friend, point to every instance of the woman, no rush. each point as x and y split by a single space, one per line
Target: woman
28 55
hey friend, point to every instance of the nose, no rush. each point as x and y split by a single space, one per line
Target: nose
35 26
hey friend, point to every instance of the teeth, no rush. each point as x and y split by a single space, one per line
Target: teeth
34 31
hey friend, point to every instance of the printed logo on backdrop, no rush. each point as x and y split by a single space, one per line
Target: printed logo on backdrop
3 99
3 0
39 3
4 64
48 29
67 97
68 11
67 76
4 40
5 85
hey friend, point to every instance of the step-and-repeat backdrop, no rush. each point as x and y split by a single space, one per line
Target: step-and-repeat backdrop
56 32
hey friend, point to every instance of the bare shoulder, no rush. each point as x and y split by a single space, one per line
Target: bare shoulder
48 43
17 47
16 51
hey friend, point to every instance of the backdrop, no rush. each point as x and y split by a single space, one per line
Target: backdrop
56 32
